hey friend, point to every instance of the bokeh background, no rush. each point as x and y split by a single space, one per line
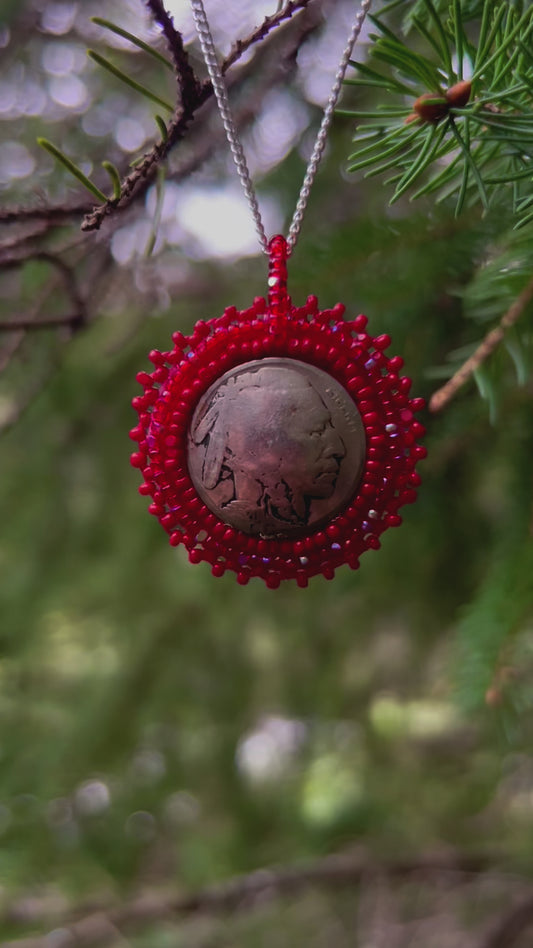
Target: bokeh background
161 730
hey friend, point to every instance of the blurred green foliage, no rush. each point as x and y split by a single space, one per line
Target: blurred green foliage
159 727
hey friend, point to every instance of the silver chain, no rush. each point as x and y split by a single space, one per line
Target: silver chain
219 88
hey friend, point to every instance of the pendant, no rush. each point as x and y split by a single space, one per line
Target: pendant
280 441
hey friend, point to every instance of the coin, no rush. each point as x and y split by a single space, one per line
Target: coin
276 447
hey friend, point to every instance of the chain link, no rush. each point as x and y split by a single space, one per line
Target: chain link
221 94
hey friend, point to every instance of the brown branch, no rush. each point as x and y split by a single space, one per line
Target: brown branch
137 181
69 281
284 67
53 322
268 24
15 340
36 383
510 926
492 340
31 232
242 893
188 83
142 175
53 215
193 96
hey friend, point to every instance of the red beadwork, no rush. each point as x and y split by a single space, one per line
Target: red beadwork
321 338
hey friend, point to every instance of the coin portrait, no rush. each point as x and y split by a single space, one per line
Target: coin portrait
276 447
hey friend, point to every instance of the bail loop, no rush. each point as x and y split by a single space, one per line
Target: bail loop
278 300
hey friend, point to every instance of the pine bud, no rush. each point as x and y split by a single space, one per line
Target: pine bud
431 107
458 95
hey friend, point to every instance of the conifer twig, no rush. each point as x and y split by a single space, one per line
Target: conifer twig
187 81
192 95
492 340
269 23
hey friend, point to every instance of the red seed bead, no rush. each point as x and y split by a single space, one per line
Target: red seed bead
382 342
360 323
273 580
195 556
419 452
143 378
407 496
137 459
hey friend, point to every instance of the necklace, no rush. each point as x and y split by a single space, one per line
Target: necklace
277 441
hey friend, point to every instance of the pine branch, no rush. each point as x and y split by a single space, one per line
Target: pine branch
193 96
269 23
243 892
492 340
485 121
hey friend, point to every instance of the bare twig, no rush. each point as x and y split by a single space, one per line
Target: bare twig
492 340
242 893
268 24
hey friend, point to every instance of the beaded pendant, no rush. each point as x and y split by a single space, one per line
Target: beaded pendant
279 441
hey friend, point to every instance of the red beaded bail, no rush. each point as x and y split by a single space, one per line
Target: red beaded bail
278 300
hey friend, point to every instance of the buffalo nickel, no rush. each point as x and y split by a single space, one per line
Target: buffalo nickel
276 447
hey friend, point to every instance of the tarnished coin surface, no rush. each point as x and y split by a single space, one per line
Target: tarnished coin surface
276 447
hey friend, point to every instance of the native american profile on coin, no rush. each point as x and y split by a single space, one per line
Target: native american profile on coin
276 447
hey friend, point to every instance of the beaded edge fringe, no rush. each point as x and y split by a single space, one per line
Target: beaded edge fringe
320 338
